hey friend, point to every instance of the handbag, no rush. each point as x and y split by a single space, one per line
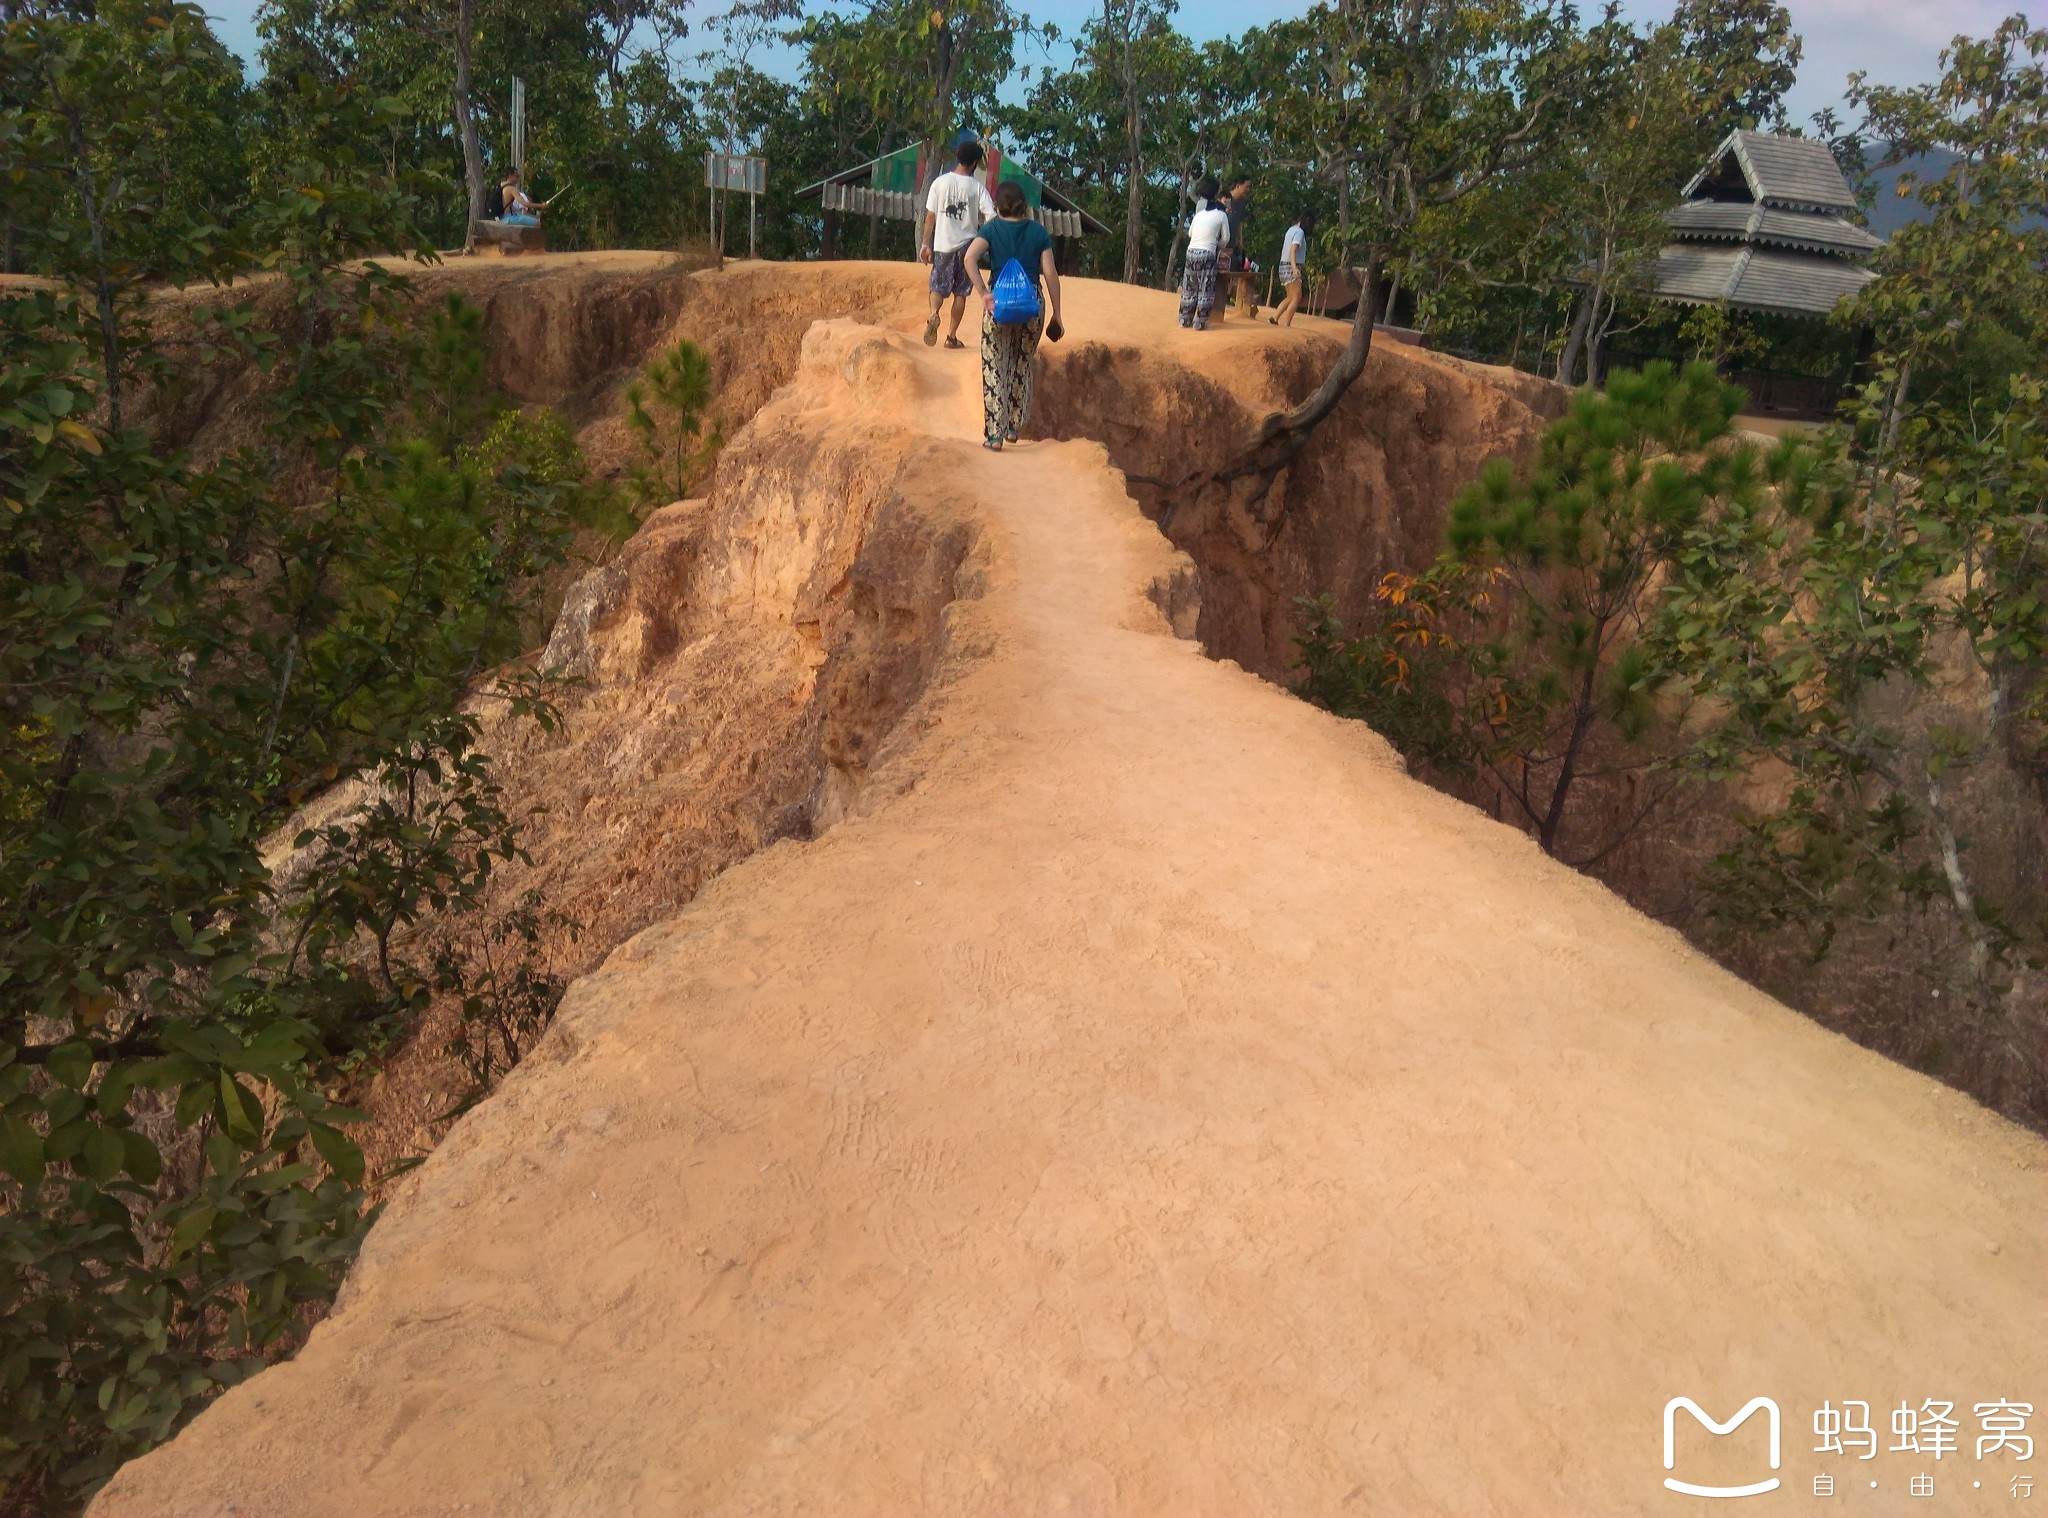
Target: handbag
1016 296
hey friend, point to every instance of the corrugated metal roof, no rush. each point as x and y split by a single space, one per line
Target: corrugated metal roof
1758 279
1715 219
1793 172
1036 191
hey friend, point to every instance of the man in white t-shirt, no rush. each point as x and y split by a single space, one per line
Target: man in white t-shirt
955 208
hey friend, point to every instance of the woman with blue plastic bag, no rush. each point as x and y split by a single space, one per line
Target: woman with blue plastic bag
1020 298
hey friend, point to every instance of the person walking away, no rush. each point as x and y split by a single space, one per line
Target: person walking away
1293 267
954 207
1208 237
1007 348
520 209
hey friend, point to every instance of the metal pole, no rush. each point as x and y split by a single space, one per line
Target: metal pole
519 125
752 215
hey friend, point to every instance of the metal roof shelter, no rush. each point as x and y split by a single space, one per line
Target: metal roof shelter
1764 228
893 186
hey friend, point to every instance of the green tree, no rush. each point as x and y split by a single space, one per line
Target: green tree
1076 128
1519 656
187 651
610 108
1822 632
1418 103
1739 58
956 51
668 410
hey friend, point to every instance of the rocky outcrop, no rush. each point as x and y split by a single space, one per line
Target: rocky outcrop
1135 1095
1369 496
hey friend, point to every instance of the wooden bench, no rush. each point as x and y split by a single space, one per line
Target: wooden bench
508 241
1237 286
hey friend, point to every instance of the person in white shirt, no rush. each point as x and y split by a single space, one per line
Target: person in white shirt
521 210
1293 259
1208 236
955 208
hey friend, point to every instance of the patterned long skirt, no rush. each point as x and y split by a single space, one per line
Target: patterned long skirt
1006 353
1198 286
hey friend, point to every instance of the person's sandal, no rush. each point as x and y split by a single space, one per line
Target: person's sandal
992 444
954 342
931 331
1010 437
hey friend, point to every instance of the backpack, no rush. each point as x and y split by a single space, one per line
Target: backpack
1016 296
494 203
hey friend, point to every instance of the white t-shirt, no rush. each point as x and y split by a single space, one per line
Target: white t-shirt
961 204
1294 247
1208 230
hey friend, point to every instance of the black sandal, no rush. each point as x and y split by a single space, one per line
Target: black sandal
954 342
992 444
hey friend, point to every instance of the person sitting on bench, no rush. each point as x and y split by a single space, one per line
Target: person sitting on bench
520 209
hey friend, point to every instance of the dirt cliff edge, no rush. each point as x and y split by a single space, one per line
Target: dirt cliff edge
1137 1097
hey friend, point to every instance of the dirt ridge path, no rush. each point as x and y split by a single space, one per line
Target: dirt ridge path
1148 1100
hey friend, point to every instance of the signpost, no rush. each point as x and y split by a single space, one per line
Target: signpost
726 172
519 127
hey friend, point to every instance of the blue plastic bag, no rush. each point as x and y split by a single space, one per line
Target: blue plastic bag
1016 296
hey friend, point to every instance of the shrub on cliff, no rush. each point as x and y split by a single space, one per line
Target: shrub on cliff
667 408
1657 602
186 653
1518 656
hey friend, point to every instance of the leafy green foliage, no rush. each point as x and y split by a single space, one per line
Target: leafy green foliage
188 651
1519 654
497 972
1657 598
667 408
610 111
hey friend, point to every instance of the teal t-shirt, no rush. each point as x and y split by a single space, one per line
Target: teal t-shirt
1021 240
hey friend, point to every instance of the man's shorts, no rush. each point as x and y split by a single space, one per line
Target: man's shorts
949 273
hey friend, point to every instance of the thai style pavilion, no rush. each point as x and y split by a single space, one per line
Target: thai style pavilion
893 187
1765 228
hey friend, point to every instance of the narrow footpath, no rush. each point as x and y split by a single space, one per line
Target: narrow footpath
1147 1100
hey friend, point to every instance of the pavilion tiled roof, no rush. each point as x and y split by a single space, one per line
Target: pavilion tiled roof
1765 228
1799 173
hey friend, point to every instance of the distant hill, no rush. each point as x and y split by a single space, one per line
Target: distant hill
1892 210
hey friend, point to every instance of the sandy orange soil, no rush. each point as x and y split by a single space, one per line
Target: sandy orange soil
1145 1099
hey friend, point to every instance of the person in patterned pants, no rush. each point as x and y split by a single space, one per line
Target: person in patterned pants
1014 236
1198 288
1208 238
1006 354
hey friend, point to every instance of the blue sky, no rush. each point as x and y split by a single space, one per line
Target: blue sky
1897 41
